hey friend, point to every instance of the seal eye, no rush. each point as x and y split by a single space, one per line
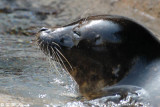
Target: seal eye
62 40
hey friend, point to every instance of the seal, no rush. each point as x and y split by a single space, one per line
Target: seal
105 53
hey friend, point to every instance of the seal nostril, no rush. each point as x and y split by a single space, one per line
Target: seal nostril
43 29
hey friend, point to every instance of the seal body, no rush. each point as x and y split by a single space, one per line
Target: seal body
104 50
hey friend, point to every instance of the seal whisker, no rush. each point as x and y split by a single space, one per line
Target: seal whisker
65 66
64 58
38 40
61 61
57 58
45 49
56 44
54 55
39 43
42 47
48 51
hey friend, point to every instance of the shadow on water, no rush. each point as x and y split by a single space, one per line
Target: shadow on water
26 76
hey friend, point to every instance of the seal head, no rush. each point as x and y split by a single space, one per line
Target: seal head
99 51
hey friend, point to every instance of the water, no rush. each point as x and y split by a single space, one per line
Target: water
27 77
114 101
24 73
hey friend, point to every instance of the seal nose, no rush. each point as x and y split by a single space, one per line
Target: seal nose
43 29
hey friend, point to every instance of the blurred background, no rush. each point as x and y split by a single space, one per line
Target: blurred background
26 75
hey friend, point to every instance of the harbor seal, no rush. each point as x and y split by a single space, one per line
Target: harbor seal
105 51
